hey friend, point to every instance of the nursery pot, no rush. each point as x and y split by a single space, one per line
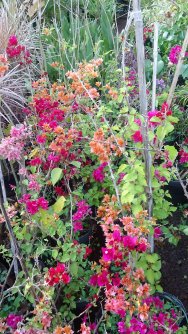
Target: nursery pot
167 297
176 191
85 238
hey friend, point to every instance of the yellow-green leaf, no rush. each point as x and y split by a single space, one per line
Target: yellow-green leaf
59 204
56 175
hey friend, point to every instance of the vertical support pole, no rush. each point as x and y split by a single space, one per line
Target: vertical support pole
143 104
155 56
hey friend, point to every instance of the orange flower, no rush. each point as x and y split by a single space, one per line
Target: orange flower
143 311
63 330
98 84
55 64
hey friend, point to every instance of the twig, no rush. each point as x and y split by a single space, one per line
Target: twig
5 281
17 252
181 182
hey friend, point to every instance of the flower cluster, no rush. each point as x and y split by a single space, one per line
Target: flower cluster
123 236
160 114
83 210
3 65
33 206
183 156
16 50
11 147
11 212
98 173
104 148
57 275
12 320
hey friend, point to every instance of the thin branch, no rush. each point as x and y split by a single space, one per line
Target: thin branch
178 69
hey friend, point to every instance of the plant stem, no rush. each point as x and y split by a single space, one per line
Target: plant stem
178 69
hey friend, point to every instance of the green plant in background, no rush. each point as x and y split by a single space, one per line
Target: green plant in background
79 31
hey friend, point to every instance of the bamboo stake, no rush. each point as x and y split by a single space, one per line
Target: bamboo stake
143 105
155 56
178 69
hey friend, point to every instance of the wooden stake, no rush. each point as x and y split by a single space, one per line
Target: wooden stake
143 104
155 56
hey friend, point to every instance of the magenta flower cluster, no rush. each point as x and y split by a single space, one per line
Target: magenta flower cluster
12 320
174 54
15 50
33 206
83 210
98 173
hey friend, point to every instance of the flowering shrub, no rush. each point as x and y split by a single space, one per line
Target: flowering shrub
70 128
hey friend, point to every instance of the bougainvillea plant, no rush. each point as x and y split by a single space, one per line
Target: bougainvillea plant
80 163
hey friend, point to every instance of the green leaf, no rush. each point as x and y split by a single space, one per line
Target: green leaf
152 258
150 276
156 266
157 275
185 231
59 204
122 168
76 163
56 175
74 269
127 198
172 152
160 66
163 130
54 253
159 288
65 257
184 71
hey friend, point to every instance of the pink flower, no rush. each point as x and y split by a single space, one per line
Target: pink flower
183 156
130 242
157 232
58 274
78 226
12 320
93 280
159 177
108 254
121 176
102 279
33 206
137 137
42 203
174 54
98 173
33 185
35 161
41 139
13 41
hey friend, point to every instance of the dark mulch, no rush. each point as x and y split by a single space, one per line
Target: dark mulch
175 265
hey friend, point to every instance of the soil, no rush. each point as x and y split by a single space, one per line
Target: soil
175 265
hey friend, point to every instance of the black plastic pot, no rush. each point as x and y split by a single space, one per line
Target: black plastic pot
85 238
176 191
167 297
